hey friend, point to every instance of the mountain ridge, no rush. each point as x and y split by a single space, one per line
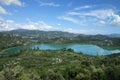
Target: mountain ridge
26 32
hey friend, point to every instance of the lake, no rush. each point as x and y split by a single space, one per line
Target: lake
84 48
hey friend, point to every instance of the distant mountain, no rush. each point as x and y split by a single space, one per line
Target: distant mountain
65 37
114 35
38 33
55 34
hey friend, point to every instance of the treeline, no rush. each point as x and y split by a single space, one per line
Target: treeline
96 40
18 37
59 65
11 40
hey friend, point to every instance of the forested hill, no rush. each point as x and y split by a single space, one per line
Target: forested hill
53 34
38 33
64 37
59 65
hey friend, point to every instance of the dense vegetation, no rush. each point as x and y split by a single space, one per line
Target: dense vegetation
64 37
11 40
99 40
59 65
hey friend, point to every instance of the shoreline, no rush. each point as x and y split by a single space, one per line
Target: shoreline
109 48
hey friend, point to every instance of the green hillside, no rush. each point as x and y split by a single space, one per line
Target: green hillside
59 65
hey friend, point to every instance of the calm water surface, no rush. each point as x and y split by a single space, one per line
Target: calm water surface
84 48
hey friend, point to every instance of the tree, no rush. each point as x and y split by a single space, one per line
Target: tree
109 73
82 76
54 76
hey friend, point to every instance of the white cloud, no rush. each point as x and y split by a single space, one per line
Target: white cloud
3 11
116 20
40 25
102 14
102 22
10 2
83 31
51 4
107 16
10 25
83 7
7 3
6 25
69 19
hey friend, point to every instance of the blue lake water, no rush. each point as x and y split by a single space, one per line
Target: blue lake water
84 48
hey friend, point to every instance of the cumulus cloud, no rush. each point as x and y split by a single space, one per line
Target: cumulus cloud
40 25
10 2
11 25
3 11
7 3
116 20
6 25
101 16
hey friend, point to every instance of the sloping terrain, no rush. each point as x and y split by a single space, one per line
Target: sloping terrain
59 65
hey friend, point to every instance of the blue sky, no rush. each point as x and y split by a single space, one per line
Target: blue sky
76 16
